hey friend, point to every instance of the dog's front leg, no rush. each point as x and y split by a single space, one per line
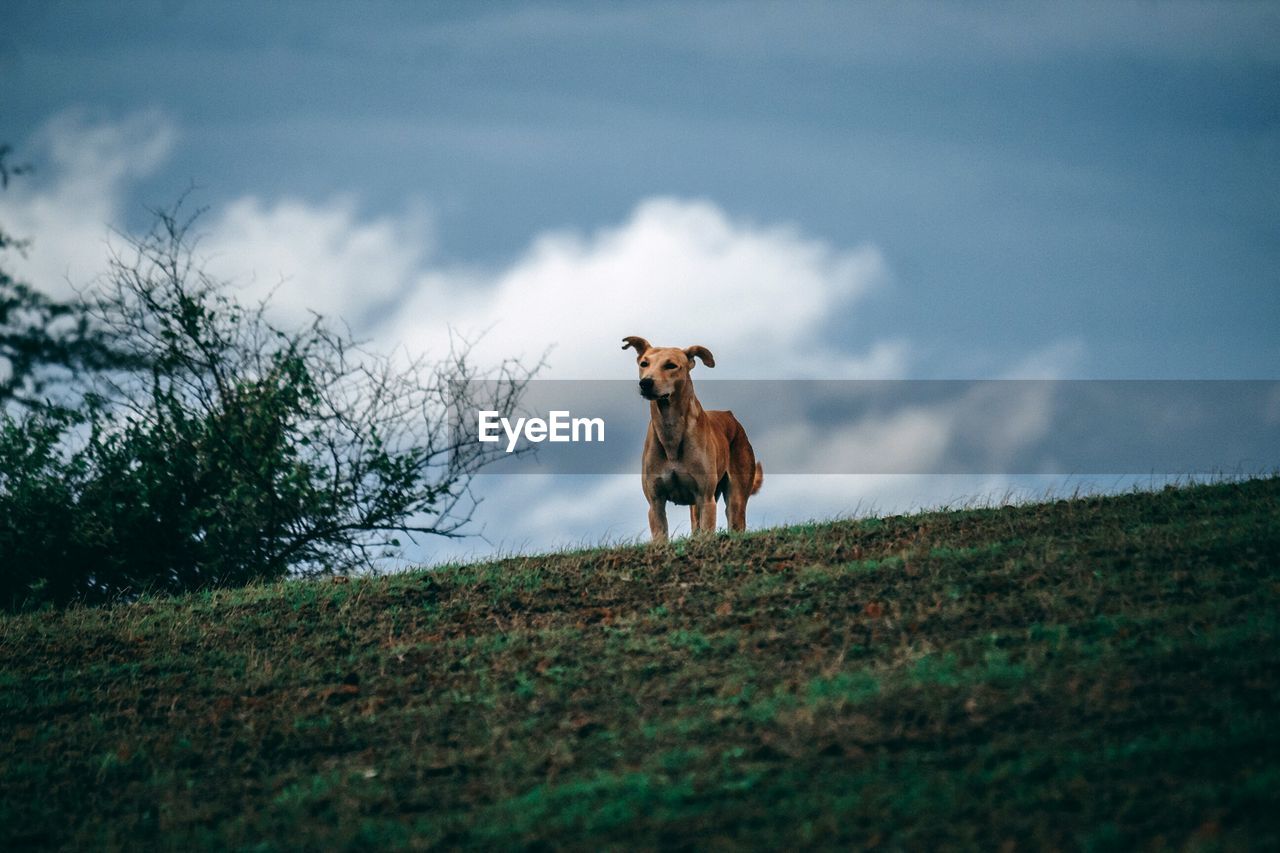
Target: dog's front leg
658 520
706 514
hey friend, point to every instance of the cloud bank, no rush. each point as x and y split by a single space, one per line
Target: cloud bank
676 271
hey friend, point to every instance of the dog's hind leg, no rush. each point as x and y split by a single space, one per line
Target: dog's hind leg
743 474
736 508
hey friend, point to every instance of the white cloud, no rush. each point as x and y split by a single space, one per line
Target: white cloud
678 273
69 217
1059 360
904 440
981 426
322 258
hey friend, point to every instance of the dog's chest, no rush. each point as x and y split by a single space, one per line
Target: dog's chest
676 486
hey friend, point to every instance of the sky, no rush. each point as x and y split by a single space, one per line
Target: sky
812 190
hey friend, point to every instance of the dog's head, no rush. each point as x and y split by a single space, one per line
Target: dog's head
665 370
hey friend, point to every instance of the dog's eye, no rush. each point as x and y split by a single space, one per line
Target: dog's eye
670 365
644 364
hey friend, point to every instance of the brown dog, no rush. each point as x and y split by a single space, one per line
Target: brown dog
691 456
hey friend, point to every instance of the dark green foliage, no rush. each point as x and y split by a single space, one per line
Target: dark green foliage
1097 673
46 343
170 500
243 451
38 515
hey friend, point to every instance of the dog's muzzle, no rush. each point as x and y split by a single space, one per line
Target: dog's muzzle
646 390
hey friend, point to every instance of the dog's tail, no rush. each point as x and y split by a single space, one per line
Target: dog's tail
758 480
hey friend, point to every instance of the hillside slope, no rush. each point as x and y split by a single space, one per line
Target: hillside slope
1100 672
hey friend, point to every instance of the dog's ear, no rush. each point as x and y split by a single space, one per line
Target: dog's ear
641 345
701 352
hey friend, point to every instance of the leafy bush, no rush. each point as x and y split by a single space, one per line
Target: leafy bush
37 509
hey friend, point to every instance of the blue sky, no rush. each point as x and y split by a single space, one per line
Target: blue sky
965 190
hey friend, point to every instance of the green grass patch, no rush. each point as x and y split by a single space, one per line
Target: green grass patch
1097 673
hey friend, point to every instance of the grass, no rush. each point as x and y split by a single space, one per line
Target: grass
1098 673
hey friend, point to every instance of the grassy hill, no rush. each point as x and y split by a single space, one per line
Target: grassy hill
1097 673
